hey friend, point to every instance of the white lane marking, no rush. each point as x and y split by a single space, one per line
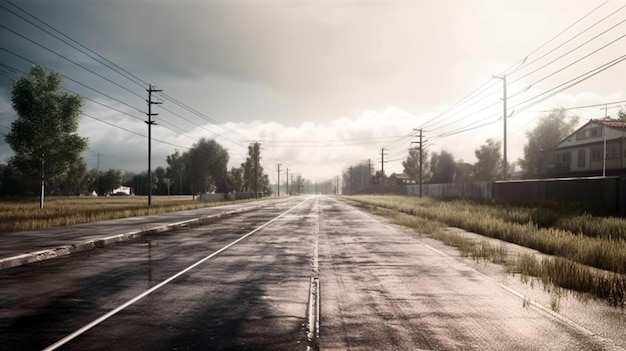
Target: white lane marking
545 309
515 293
89 326
435 250
313 318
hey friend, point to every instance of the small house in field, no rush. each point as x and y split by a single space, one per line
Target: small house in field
401 179
595 149
122 190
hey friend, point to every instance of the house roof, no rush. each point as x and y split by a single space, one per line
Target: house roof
399 176
606 121
611 123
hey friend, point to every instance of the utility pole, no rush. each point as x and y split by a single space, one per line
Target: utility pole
421 162
257 151
504 118
369 172
287 185
421 151
350 180
362 169
382 161
150 123
278 183
98 174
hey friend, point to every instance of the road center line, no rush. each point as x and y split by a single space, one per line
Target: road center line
89 326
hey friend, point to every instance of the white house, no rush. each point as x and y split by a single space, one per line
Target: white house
583 152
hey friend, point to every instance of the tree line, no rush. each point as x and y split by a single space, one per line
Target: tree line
443 167
47 153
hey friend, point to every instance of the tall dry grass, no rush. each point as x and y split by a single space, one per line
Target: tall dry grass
512 223
587 259
24 214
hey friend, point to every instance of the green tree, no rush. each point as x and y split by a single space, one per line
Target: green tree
176 170
254 179
159 187
412 164
109 181
11 181
206 166
235 179
443 167
489 164
139 183
44 136
76 181
550 130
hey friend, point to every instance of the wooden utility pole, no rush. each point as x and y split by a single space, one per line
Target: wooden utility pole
256 169
421 151
350 180
150 122
382 161
278 182
369 172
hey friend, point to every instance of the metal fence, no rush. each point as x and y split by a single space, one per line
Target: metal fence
472 190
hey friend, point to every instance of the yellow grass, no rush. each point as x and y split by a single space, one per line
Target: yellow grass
575 252
25 214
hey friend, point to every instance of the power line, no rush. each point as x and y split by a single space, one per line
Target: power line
483 88
572 50
69 60
581 78
133 132
203 116
132 78
168 125
585 106
71 79
574 37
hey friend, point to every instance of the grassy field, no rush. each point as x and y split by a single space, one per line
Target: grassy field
589 253
25 214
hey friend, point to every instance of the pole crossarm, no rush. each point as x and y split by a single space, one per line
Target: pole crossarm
505 164
151 89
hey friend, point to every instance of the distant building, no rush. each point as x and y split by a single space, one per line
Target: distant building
122 190
583 154
401 179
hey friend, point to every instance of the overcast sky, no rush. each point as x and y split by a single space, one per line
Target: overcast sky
321 84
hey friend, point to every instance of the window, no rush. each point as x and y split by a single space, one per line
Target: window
589 133
565 157
612 151
596 153
582 158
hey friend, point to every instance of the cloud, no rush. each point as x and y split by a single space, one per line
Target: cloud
321 84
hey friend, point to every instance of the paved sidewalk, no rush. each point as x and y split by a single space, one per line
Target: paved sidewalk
20 248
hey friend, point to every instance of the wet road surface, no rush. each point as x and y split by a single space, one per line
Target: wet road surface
232 286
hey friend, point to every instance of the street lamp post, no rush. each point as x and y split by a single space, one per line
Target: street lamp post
505 164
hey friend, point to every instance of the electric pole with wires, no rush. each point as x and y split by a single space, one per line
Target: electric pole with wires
150 123
278 182
421 151
382 160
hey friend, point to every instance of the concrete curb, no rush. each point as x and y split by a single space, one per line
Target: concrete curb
64 250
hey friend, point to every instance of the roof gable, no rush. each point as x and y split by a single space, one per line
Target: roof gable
601 122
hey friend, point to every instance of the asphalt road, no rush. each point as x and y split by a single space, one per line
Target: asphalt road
310 273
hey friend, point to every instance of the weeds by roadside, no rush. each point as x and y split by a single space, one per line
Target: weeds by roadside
575 254
20 215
